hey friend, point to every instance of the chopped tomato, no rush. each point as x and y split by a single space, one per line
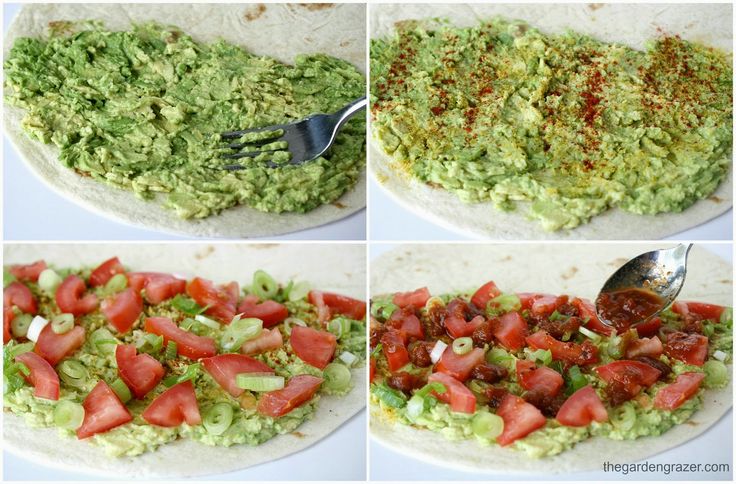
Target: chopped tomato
330 303
43 377
224 369
187 344
103 411
373 369
159 286
218 300
8 316
407 322
578 354
675 394
527 299
546 305
703 310
485 293
269 339
416 298
631 375
300 389
54 347
123 309
324 314
173 407
644 347
459 321
28 272
586 309
581 408
510 330
394 350
270 312
542 379
460 398
649 328
459 366
519 419
105 271
314 347
17 294
70 297
141 373
690 348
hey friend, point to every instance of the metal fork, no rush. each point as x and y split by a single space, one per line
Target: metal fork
307 139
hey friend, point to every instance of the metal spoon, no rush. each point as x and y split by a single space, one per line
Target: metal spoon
661 272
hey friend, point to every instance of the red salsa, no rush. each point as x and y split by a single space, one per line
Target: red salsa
627 307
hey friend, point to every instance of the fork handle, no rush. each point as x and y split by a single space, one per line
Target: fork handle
349 111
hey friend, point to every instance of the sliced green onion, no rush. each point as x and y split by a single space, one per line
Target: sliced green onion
377 351
434 301
348 358
576 379
462 346
22 368
240 331
589 334
68 415
434 386
38 323
20 324
210 323
337 377
259 382
218 418
614 347
187 324
121 390
150 343
505 303
298 291
62 323
117 283
499 356
73 373
624 416
19 349
389 396
556 316
415 407
720 355
49 281
543 356
171 350
104 340
726 316
383 308
190 373
186 305
292 321
339 327
716 373
264 286
487 425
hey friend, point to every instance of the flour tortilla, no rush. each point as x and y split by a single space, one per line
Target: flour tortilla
629 24
578 270
328 267
281 31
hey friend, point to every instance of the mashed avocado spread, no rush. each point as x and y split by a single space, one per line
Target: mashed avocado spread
142 110
502 112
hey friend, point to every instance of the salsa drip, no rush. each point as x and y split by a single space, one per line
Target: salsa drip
628 306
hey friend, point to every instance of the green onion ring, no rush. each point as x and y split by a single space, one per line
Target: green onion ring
264 286
218 418
62 323
68 415
462 346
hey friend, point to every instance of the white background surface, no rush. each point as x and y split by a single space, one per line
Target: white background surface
32 211
715 446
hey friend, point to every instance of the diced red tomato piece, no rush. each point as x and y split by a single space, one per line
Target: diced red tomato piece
218 300
519 419
649 327
586 309
187 344
581 408
703 310
542 379
510 330
407 322
527 299
458 321
173 407
105 271
644 347
631 375
316 348
141 373
123 309
54 347
329 303
103 411
416 298
394 350
675 394
8 316
43 377
270 312
460 398
17 294
546 305
373 369
268 340
225 368
485 293
28 272
459 366
579 354
690 348
70 297
159 286
299 390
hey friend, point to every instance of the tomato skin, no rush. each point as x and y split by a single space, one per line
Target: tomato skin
485 293
675 394
690 348
541 379
336 304
586 309
141 373
373 370
300 389
123 309
417 298
105 271
394 349
581 408
580 354
17 294
71 299
43 377
270 312
510 330
546 305
633 374
458 396
519 419
224 369
649 327
54 347
103 411
8 316
406 321
645 347
456 321
459 366
314 347
704 310
270 339
159 286
173 407
28 272
219 299
187 344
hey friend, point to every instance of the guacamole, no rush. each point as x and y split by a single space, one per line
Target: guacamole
143 109
502 112
226 419
539 373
